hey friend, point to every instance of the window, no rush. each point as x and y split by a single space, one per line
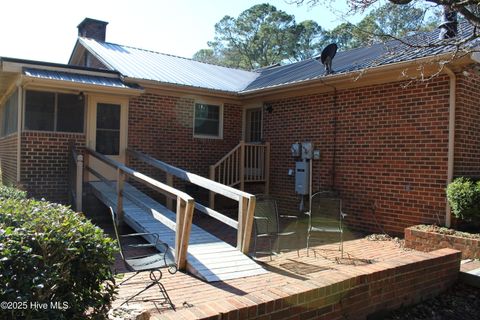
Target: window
8 114
208 120
48 111
108 129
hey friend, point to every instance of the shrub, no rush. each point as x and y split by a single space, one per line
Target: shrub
54 263
464 198
11 193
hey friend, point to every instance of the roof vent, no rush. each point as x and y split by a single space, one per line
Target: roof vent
93 29
327 56
449 25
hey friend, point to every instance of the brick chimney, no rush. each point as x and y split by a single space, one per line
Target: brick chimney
93 29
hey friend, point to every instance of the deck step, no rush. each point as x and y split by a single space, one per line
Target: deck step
209 258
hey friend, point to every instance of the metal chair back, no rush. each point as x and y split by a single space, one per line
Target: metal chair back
325 216
266 216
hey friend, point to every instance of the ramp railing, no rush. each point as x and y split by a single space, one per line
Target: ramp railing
246 201
185 203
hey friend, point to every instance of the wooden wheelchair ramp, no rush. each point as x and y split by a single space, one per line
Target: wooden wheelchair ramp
208 257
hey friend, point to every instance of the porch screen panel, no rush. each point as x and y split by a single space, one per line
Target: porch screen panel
108 129
40 111
9 114
70 113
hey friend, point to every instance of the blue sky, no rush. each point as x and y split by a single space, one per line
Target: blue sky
46 30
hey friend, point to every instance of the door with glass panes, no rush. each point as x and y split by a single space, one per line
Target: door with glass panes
107 132
253 125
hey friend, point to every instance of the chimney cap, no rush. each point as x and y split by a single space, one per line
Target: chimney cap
90 20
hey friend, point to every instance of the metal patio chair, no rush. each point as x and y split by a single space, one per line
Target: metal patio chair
267 224
326 217
152 262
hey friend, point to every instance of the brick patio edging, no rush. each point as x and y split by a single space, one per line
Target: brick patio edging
369 290
426 241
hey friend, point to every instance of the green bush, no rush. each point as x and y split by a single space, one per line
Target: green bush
464 198
54 263
11 193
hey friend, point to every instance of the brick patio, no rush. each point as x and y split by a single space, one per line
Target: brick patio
373 277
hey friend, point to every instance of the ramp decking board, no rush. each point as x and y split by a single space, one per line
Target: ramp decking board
209 258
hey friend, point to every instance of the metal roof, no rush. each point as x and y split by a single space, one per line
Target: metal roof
75 77
379 54
149 65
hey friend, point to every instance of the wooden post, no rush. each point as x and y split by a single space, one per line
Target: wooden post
267 168
242 165
79 183
86 159
120 185
242 215
170 183
248 222
183 228
211 197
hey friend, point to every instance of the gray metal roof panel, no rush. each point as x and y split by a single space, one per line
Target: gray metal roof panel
357 59
149 65
75 77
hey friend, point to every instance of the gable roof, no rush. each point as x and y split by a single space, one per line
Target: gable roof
149 65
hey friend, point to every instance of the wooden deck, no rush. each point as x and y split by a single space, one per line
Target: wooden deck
209 258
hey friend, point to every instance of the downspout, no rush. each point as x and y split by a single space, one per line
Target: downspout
451 137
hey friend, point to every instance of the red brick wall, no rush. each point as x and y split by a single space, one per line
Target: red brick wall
467 126
44 164
8 159
162 126
420 239
390 145
364 294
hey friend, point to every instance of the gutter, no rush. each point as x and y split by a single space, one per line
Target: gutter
339 77
451 138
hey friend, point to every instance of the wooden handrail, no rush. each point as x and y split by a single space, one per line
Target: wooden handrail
225 157
185 203
246 200
196 179
141 177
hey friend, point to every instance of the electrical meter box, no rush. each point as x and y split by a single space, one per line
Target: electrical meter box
302 177
307 150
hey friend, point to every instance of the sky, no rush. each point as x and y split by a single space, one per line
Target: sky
47 30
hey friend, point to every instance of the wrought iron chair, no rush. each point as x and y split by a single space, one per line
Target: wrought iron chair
326 217
267 224
152 262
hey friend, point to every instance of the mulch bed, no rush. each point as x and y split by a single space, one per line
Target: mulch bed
459 302
442 230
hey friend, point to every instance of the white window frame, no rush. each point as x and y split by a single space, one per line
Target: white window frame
220 120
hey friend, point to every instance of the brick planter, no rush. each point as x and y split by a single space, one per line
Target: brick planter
426 239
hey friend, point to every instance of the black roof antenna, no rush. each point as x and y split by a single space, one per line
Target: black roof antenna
327 56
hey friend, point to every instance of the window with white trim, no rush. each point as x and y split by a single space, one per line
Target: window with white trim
208 120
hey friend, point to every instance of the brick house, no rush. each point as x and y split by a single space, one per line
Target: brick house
387 144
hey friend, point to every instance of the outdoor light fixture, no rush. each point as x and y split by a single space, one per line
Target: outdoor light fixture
268 107
81 96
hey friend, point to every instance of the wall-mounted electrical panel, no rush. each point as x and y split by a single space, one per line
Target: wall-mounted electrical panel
302 177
